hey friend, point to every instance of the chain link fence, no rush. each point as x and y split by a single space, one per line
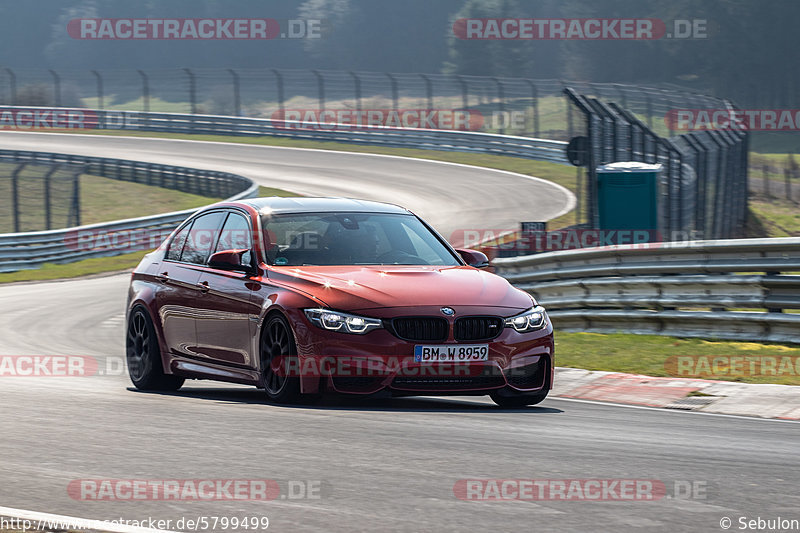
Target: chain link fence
705 171
515 106
704 178
38 197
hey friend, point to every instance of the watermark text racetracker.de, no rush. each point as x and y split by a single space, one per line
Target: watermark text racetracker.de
350 119
202 29
142 239
47 119
119 240
115 490
579 29
567 239
72 366
577 490
732 366
733 119
412 118
43 118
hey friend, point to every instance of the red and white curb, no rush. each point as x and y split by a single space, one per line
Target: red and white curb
723 397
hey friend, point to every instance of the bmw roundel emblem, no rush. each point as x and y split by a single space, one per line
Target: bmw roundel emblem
449 311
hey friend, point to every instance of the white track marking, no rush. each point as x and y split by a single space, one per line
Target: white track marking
73 522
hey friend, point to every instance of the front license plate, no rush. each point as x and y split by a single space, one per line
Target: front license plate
451 352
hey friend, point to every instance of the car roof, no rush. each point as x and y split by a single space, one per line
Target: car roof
302 204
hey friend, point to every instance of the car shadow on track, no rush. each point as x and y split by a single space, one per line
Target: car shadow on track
332 402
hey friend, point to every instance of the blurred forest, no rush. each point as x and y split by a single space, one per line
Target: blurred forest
747 55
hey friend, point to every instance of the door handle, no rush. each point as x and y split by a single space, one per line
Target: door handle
163 277
203 286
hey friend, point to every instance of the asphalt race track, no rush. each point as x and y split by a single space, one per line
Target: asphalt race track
380 464
451 197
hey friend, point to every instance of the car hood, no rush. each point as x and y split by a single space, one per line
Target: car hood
354 288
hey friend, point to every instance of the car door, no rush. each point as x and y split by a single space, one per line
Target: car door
179 291
227 315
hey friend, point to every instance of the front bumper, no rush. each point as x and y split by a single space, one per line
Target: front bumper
379 361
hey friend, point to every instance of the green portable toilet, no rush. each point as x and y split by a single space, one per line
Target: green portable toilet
627 196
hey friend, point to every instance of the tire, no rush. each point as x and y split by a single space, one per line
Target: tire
515 401
276 346
143 354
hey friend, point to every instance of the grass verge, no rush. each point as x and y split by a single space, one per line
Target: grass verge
85 267
97 265
773 217
101 200
647 354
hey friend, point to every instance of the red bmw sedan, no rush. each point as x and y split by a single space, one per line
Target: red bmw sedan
302 296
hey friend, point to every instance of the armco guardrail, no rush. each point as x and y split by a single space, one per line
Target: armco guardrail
19 251
728 289
449 140
29 250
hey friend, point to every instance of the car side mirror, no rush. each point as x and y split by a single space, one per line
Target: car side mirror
473 258
229 260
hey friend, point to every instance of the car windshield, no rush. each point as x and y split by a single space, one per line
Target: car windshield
352 239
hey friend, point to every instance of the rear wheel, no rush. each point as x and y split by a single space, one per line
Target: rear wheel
278 358
511 400
144 356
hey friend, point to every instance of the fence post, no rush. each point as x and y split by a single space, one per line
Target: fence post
12 85
192 90
649 109
47 197
428 90
569 112
578 194
279 82
786 176
590 180
464 91
76 196
720 224
700 182
393 83
56 87
99 89
320 88
669 106
744 170
237 103
501 98
680 223
357 85
145 91
535 103
621 92
15 195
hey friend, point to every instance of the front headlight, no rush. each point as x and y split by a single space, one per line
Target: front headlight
342 322
531 320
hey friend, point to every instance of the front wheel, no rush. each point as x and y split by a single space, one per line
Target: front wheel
144 356
514 401
278 358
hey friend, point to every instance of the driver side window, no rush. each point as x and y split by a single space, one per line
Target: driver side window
202 238
236 235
